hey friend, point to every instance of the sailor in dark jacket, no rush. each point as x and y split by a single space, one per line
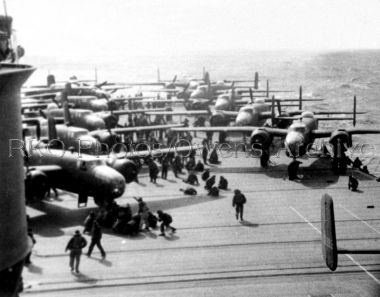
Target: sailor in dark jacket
206 175
88 222
178 163
189 191
214 159
223 183
153 171
164 168
199 167
214 192
205 151
166 220
238 202
210 182
353 183
293 169
192 179
75 245
96 236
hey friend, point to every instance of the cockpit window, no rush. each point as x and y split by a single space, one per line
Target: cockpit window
246 109
85 113
78 134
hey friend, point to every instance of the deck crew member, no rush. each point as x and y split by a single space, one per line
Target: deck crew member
210 182
96 236
238 202
75 245
192 179
223 183
166 220
199 167
353 183
143 212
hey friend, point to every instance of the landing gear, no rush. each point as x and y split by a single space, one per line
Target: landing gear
82 200
99 201
264 159
339 165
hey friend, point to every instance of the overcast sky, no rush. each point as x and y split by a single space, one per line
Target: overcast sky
93 27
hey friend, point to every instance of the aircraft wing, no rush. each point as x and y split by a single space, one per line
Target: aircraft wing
111 88
44 95
130 98
294 99
144 128
162 90
34 106
321 133
319 118
179 113
159 152
46 168
229 113
242 129
242 101
322 112
353 131
163 100
133 111
39 92
261 91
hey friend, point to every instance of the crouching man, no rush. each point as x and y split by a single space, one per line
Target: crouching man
166 220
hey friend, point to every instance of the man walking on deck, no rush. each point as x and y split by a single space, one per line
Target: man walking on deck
238 202
75 245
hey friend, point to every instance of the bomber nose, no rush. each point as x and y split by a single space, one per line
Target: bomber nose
112 181
222 104
293 142
100 105
87 144
243 119
102 94
196 94
95 123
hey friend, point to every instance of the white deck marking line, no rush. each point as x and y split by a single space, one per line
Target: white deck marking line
356 217
302 217
347 255
358 264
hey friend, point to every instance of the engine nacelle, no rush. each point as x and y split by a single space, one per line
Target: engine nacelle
261 139
36 184
126 167
218 120
340 140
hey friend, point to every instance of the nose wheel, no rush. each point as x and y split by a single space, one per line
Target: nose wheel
264 159
339 165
